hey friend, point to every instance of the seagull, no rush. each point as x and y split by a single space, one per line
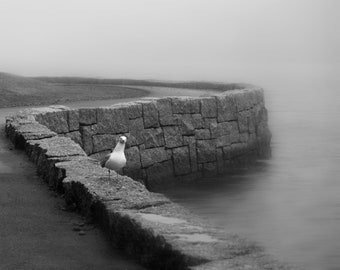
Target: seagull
116 160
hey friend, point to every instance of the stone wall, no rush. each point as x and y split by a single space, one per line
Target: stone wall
160 234
174 138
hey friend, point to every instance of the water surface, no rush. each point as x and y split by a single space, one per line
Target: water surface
289 204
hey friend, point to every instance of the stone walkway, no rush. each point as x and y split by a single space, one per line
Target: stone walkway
35 233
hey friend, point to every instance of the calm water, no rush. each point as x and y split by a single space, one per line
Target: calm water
291 203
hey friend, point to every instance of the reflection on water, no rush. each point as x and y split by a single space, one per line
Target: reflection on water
289 204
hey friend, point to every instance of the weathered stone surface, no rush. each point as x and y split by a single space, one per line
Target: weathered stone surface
181 160
244 137
86 134
223 140
202 134
133 158
197 120
243 100
136 126
226 108
150 114
55 121
59 146
160 174
208 107
153 137
191 142
165 112
212 124
73 120
206 150
135 110
112 120
87 116
243 121
188 127
173 137
153 155
238 149
220 129
234 132
182 105
75 136
104 142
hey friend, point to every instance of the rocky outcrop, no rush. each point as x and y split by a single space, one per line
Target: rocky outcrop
171 138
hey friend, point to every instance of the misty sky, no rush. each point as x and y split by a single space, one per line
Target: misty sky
166 39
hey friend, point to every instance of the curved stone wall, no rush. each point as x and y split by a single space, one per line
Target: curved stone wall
173 138
194 135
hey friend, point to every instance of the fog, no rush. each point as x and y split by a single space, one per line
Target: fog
220 40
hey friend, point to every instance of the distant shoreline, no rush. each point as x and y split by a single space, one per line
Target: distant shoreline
19 91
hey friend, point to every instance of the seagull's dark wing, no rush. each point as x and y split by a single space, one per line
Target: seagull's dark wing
104 159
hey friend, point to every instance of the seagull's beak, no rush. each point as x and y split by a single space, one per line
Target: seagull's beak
127 145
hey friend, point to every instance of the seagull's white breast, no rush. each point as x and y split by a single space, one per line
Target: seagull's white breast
116 161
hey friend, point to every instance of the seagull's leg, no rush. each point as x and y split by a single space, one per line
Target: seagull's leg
117 174
109 174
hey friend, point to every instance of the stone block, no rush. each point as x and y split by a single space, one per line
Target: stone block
208 107
183 105
165 112
73 120
252 122
133 158
234 132
223 140
206 150
238 149
103 142
153 155
159 174
181 160
226 108
136 127
202 134
54 120
243 121
243 100
75 136
59 147
223 129
87 116
153 137
134 110
244 137
187 124
112 120
191 142
197 120
172 136
150 114
212 125
86 135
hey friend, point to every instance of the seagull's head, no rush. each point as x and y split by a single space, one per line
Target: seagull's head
122 139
